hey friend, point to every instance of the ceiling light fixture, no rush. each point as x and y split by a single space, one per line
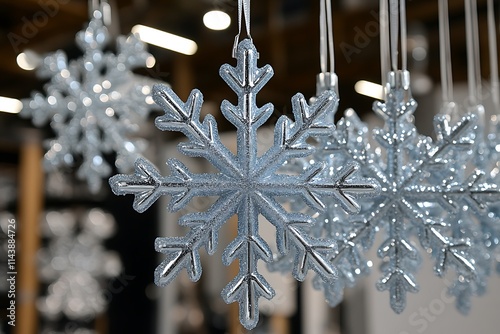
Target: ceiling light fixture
165 40
370 89
10 105
216 20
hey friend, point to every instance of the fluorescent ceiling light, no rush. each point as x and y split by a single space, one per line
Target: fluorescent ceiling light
370 89
28 60
165 40
9 105
216 20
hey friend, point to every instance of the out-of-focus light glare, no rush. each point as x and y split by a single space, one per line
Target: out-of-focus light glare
150 62
165 40
216 20
370 89
9 105
28 60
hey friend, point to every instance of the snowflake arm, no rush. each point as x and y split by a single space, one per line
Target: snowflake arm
184 252
249 285
148 185
204 138
290 137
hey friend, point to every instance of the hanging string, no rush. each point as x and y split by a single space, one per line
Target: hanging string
394 32
404 39
384 41
326 37
477 56
243 10
102 9
492 41
445 52
472 35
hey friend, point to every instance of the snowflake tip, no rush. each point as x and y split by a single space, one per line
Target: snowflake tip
317 258
349 185
459 135
325 105
247 289
398 283
246 75
178 257
144 184
176 111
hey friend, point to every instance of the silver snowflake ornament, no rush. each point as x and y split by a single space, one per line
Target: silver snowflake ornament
422 194
93 104
247 185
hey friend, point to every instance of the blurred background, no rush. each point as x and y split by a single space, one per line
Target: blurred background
119 241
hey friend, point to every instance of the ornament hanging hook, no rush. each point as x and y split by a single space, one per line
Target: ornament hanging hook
385 57
243 14
473 57
445 57
327 79
100 10
326 37
393 44
397 26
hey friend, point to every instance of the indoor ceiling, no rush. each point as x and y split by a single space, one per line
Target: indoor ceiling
285 32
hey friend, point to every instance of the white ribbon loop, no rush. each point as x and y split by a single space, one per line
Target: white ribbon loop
243 10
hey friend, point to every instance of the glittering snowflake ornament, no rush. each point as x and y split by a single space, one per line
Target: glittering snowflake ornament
247 185
481 224
422 194
75 264
93 103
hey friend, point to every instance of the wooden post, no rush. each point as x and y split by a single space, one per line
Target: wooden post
280 324
28 235
101 323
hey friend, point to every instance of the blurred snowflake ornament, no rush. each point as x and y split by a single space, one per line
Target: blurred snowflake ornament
93 103
75 264
247 184
421 191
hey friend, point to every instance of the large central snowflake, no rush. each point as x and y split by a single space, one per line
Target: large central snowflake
93 104
247 184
